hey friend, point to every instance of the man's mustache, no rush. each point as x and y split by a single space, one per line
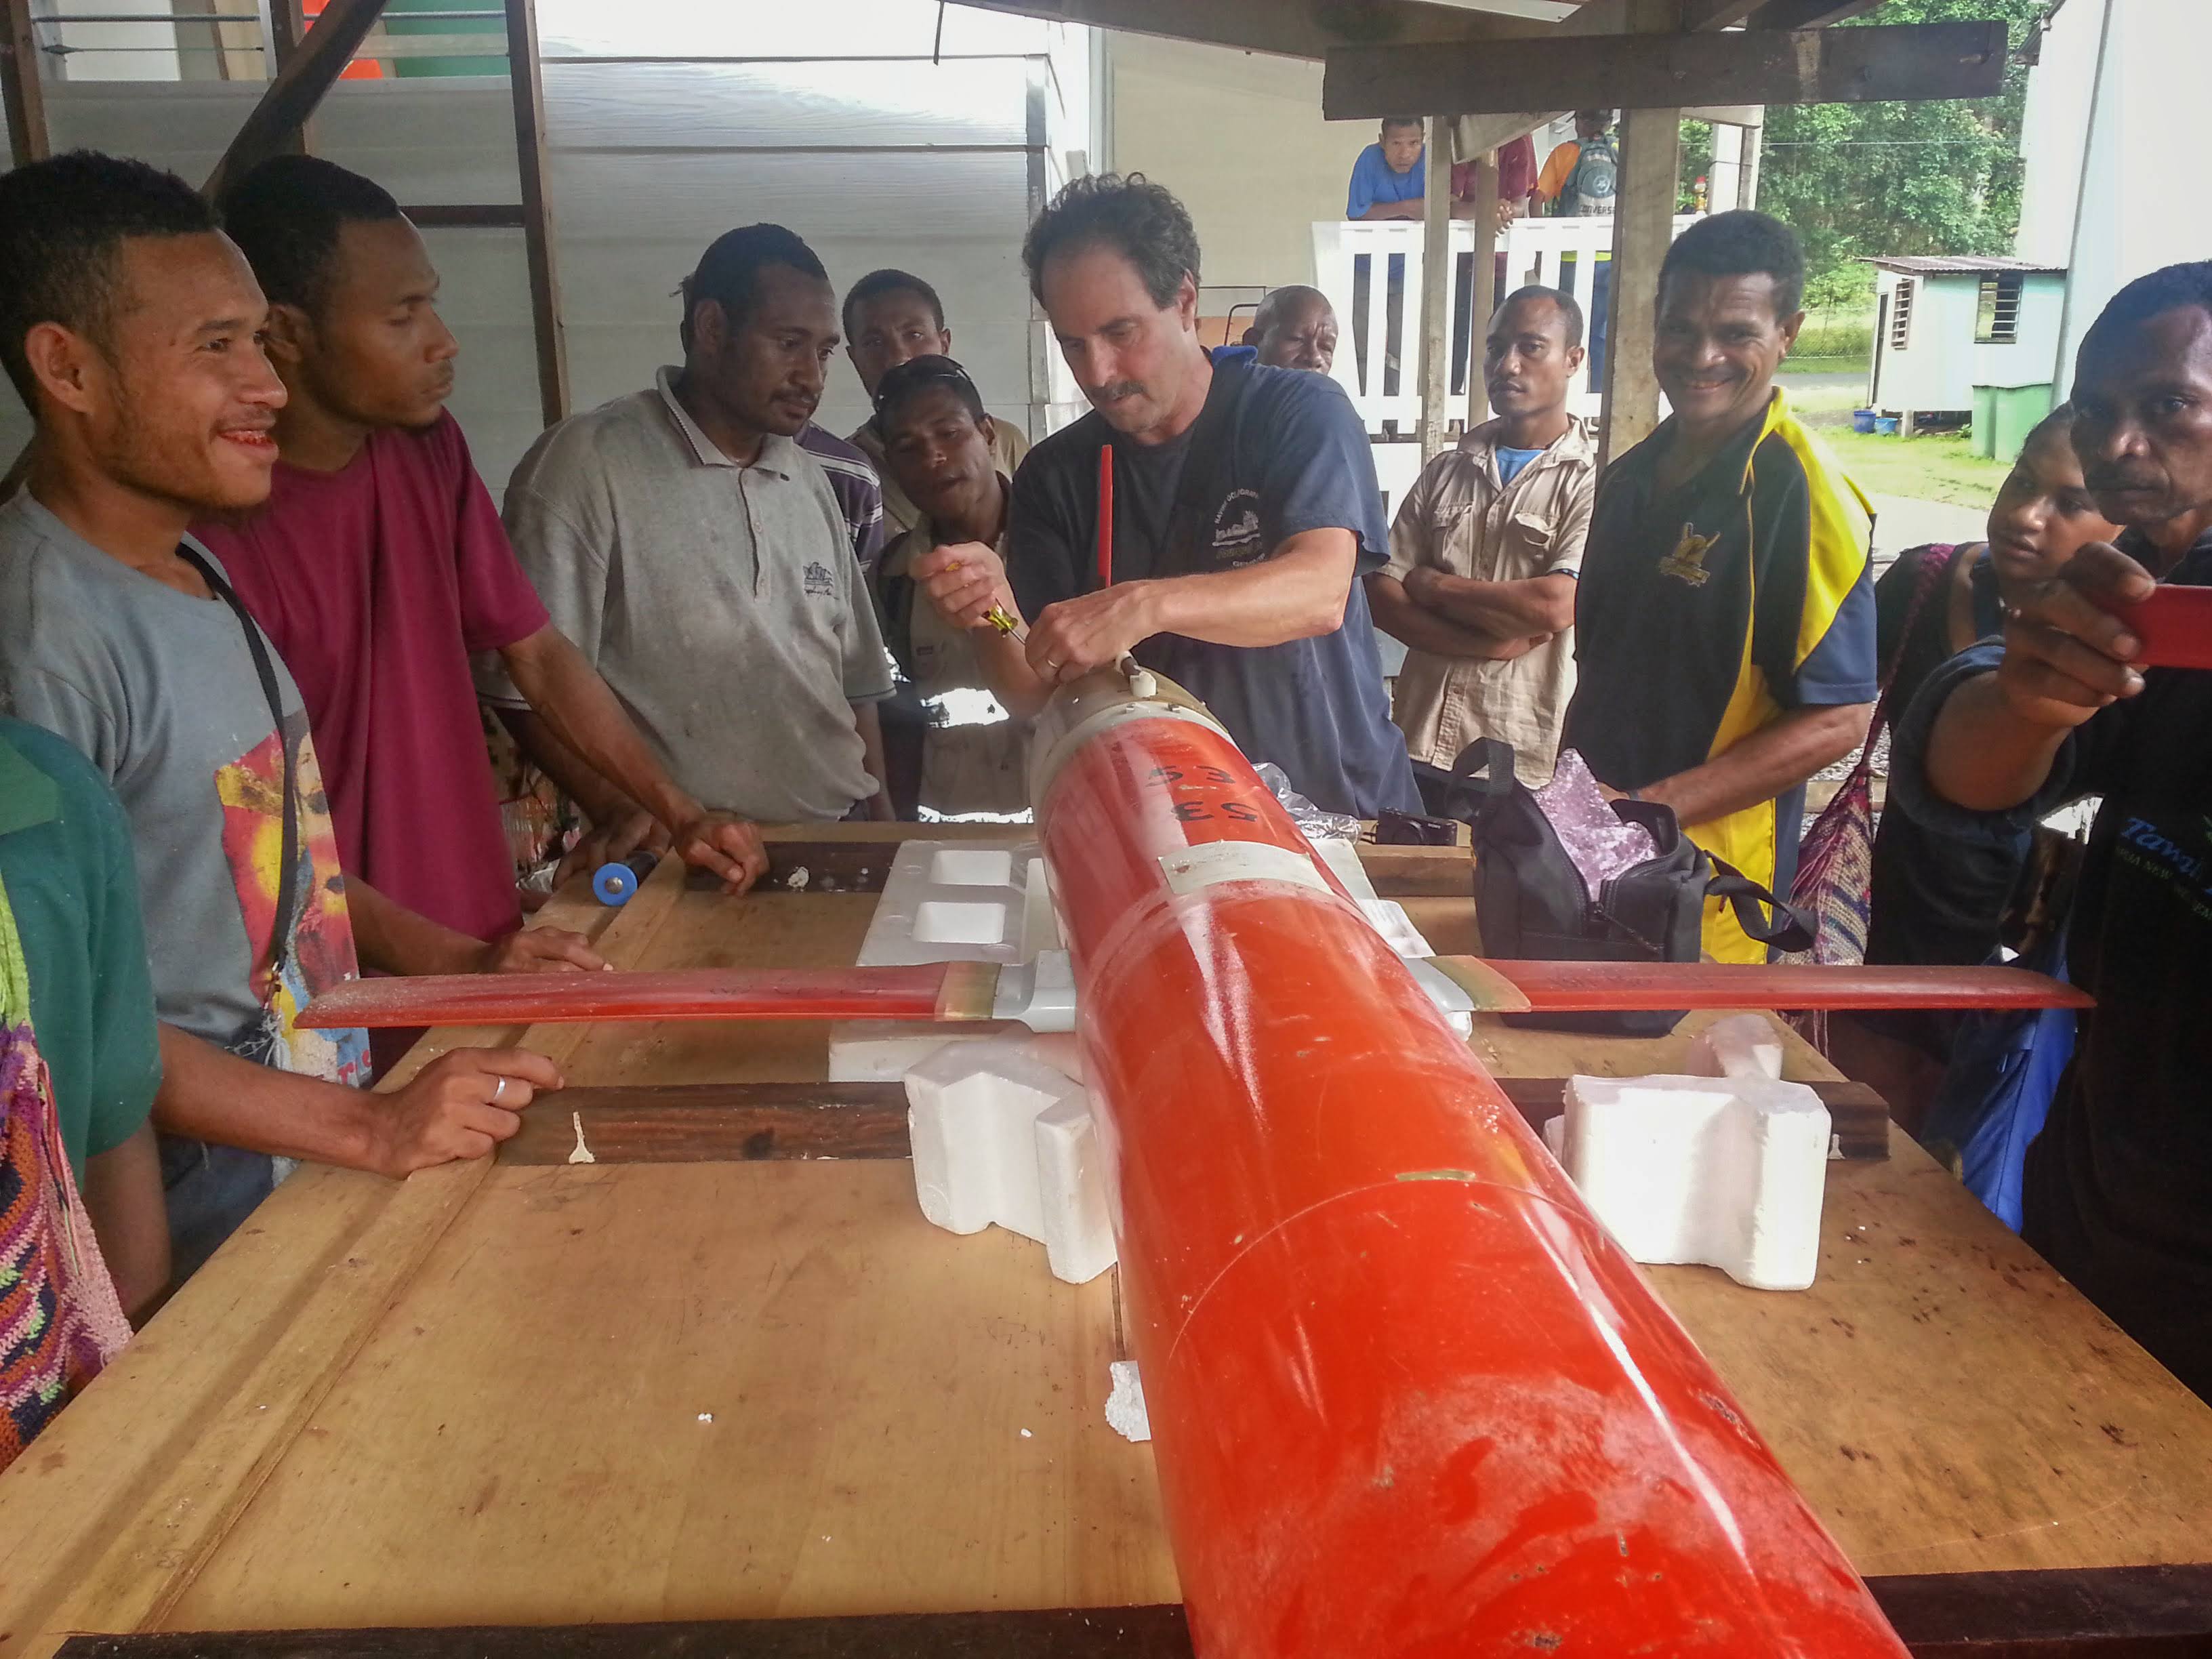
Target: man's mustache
1116 389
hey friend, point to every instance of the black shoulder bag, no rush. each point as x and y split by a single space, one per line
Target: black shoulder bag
288 862
1532 903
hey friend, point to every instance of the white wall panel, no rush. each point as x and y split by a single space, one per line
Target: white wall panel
829 106
761 29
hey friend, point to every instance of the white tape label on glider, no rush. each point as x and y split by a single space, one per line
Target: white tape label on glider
1240 860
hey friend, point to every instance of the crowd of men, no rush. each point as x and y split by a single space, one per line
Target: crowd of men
254 592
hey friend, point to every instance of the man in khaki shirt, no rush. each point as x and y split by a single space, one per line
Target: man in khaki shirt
1485 554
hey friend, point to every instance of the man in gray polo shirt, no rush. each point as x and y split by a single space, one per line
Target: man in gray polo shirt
698 556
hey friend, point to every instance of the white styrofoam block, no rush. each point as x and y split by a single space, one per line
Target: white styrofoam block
1725 1171
960 902
1078 1229
1060 1050
1125 1402
982 1156
885 1050
1742 1045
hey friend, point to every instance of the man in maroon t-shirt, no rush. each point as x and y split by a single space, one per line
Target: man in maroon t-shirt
380 564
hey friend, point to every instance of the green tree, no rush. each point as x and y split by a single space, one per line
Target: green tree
1861 180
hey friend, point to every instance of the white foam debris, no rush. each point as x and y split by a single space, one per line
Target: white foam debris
797 880
1125 1403
580 1153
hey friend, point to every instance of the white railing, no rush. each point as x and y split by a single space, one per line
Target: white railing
1351 265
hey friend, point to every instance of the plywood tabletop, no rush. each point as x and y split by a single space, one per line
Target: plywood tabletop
480 1396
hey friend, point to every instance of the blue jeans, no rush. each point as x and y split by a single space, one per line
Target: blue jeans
209 1190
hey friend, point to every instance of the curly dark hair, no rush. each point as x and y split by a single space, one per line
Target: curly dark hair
2174 287
1139 220
63 224
729 271
1743 243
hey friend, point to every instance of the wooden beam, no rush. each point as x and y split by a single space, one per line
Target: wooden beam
529 90
1436 286
1278 26
469 215
26 92
1484 300
1643 228
1638 71
285 25
297 88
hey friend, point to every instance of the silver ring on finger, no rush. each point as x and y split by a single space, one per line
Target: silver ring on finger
498 1092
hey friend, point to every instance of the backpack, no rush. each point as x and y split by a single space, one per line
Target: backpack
1596 176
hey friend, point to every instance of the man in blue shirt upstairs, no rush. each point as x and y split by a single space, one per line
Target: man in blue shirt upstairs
1387 181
1245 507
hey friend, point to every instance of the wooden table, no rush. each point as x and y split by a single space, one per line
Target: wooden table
753 1387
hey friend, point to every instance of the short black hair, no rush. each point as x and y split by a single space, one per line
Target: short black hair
1570 309
1139 220
2175 287
1389 121
1742 243
63 221
889 281
905 381
286 215
729 271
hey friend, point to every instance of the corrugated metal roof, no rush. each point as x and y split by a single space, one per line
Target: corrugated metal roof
1962 264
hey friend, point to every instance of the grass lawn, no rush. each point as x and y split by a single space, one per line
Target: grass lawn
1931 469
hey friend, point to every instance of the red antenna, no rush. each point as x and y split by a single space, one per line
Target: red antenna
1105 515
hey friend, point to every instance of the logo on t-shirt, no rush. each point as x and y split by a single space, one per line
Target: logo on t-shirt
1237 528
1686 563
819 582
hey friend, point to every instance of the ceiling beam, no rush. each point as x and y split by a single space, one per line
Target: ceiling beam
324 52
1665 71
1288 28
26 92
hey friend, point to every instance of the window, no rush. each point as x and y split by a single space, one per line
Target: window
1900 314
1996 317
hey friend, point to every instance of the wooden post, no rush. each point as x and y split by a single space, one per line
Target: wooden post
26 92
1748 186
1484 299
529 90
1436 285
282 24
296 88
1642 227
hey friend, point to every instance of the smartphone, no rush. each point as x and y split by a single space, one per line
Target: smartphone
2175 627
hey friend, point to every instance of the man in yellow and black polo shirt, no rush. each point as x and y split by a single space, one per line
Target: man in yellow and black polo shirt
1724 624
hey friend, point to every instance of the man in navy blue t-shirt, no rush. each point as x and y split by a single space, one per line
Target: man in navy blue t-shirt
1244 507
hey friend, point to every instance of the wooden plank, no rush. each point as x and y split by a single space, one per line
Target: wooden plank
1639 71
1485 283
283 25
1806 14
297 88
716 1123
1642 230
1436 286
1269 26
21 81
522 1439
743 1122
469 215
527 85
2108 1612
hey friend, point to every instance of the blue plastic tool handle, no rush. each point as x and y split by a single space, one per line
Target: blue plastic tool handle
614 884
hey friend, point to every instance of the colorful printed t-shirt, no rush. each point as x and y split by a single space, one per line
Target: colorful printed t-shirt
158 690
376 582
1708 610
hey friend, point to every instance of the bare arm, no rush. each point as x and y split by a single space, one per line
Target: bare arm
454 1107
871 727
122 1199
397 940
599 744
2065 657
1392 210
1534 605
1396 614
1765 764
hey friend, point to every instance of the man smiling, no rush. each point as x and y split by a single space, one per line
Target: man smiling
1725 620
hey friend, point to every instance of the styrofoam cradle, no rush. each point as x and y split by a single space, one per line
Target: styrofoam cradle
1727 1171
1001 1138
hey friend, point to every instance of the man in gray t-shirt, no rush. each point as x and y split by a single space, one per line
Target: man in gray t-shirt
698 557
130 325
